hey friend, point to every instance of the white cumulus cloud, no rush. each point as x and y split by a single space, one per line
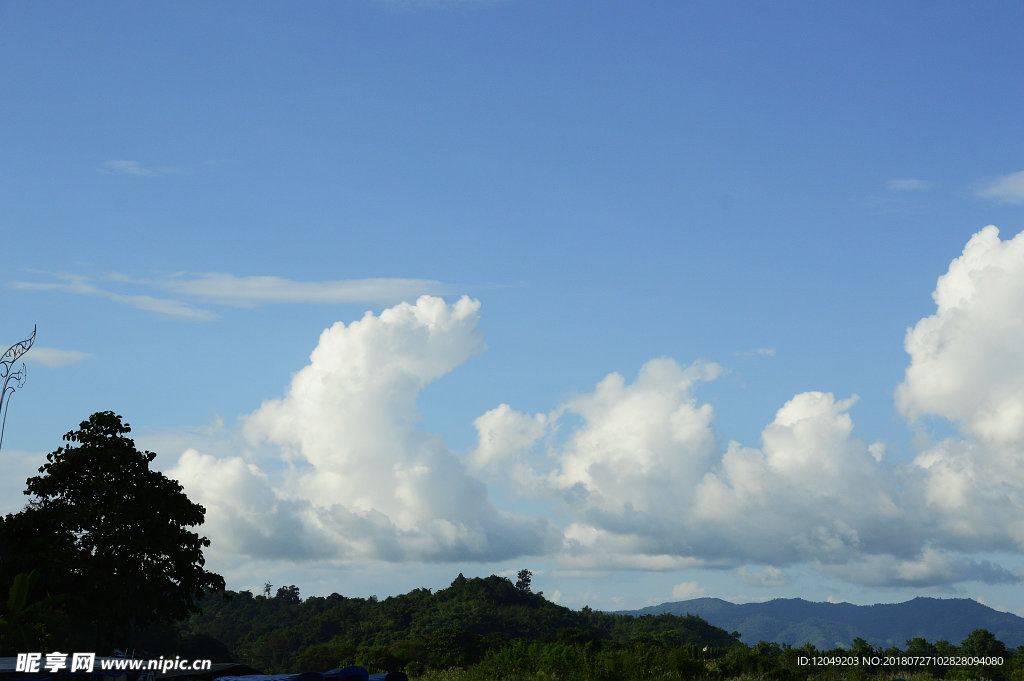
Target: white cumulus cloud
361 481
967 366
244 512
632 472
640 475
966 360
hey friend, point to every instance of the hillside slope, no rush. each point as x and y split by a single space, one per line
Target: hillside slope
470 616
828 625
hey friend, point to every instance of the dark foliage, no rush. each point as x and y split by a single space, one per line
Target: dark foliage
108 537
495 631
454 627
523 580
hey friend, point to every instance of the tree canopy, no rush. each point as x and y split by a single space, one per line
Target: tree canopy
109 534
452 627
523 580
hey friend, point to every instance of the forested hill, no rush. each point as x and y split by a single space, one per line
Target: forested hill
462 622
828 625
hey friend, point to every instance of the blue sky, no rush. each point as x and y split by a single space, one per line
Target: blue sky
712 306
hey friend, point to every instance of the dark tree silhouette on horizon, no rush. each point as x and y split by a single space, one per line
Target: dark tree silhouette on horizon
289 594
109 534
523 580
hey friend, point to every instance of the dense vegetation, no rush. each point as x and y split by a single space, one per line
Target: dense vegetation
493 630
455 627
104 546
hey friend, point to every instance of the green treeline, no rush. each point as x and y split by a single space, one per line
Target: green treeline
488 629
455 627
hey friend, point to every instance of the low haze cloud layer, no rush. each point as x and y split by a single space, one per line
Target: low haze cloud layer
630 471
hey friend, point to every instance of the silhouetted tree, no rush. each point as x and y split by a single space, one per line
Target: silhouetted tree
289 594
523 581
110 534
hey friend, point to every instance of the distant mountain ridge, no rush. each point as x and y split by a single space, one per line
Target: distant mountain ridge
830 625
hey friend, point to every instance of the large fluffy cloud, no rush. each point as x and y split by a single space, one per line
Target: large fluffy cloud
643 484
244 512
967 366
359 480
814 492
636 474
631 472
967 359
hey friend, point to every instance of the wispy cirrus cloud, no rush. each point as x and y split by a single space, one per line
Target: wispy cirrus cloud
757 352
125 167
435 4
907 184
252 290
54 357
81 285
1003 189
228 289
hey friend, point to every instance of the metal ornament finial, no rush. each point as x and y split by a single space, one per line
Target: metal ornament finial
10 374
